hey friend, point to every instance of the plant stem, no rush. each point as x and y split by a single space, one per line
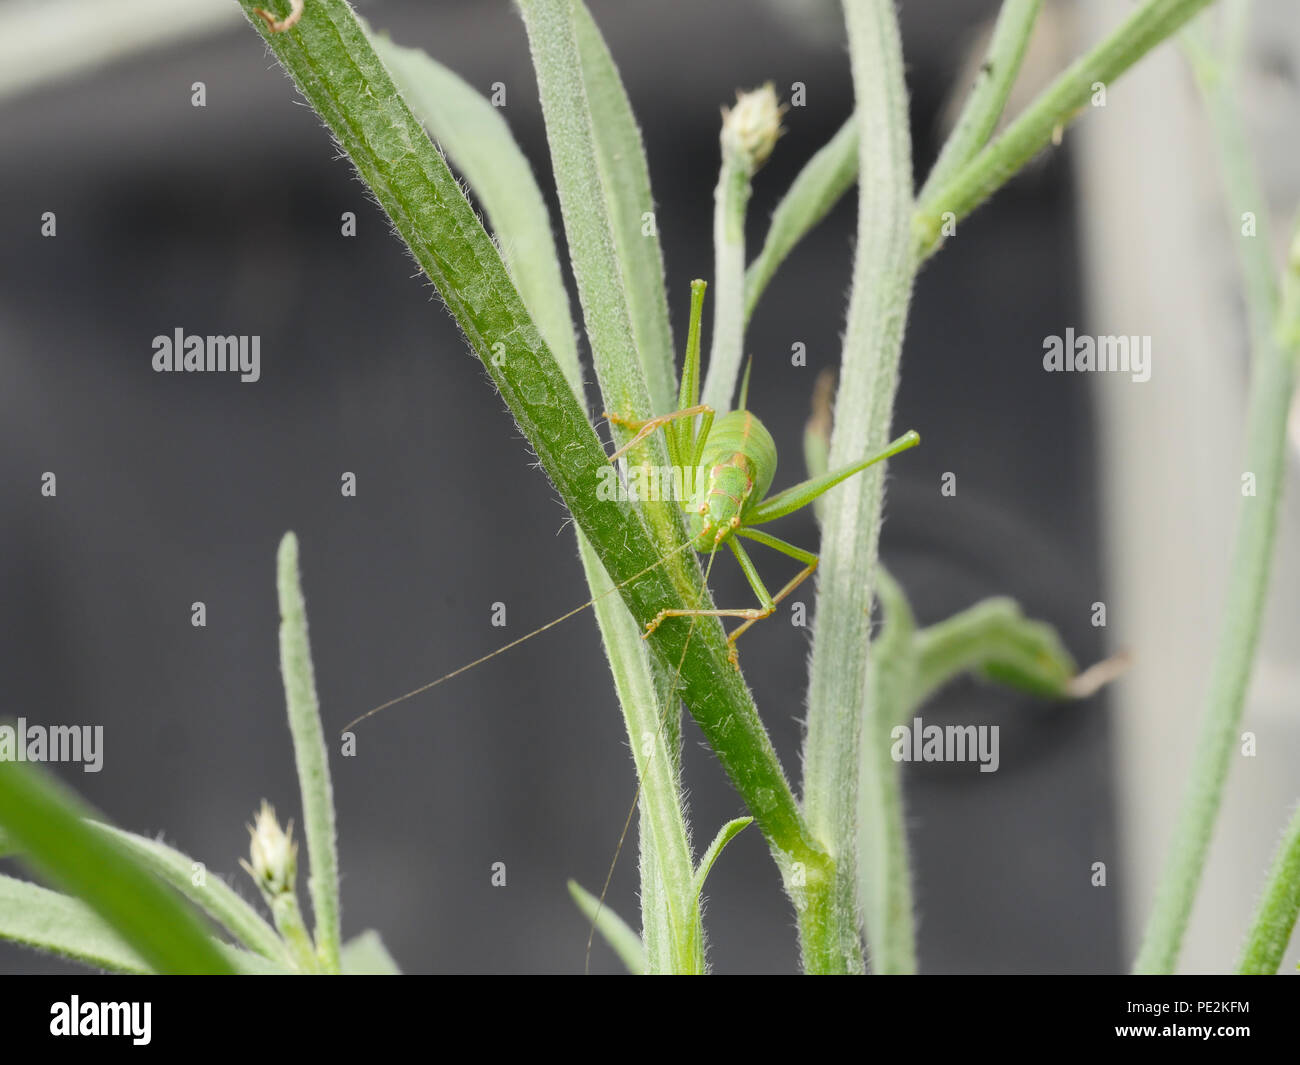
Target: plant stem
309 755
288 919
884 876
671 915
979 116
1271 388
336 69
1270 932
882 281
1058 105
730 204
478 140
1217 82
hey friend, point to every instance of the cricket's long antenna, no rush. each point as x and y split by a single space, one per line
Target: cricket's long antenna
636 797
513 643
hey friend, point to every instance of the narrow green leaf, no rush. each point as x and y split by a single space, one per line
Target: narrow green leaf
1272 385
625 173
1054 108
883 272
337 70
725 835
602 210
674 940
615 931
47 823
478 139
309 754
47 920
366 955
884 875
479 142
1275 917
994 638
825 178
988 96
213 895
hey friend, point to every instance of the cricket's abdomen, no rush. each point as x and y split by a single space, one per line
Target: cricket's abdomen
739 462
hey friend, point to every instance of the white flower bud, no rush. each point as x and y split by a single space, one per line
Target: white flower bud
750 129
273 852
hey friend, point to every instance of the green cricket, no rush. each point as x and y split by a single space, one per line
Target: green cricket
738 457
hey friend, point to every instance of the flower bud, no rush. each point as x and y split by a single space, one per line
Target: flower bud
273 852
750 129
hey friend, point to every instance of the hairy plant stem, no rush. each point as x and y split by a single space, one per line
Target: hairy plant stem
884 873
988 96
336 69
309 755
883 272
1272 386
1055 108
1275 918
730 204
478 140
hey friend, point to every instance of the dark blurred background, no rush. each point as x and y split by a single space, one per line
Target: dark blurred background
174 489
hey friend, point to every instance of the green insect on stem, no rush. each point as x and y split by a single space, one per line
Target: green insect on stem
729 462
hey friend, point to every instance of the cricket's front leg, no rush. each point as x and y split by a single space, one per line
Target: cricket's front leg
645 428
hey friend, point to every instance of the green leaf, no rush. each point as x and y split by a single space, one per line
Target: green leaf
599 173
366 955
7 845
883 272
1055 107
1275 917
615 931
995 639
213 895
478 140
625 174
48 825
884 874
825 178
47 920
479 143
309 754
988 97
1274 353
337 70
725 835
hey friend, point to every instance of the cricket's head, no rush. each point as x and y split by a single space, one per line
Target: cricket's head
720 503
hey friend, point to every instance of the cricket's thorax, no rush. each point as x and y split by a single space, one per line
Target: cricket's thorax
739 462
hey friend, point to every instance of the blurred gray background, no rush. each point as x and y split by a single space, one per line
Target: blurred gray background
173 489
